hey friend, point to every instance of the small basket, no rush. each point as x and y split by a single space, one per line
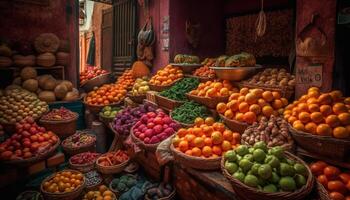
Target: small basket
160 88
105 120
97 81
183 125
76 150
137 141
234 125
286 92
167 103
64 195
208 102
170 197
83 167
249 193
196 162
136 98
62 128
112 169
95 109
322 145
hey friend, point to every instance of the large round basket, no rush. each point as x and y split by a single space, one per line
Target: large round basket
141 144
160 88
95 109
234 125
167 103
286 92
82 167
322 145
249 193
35 159
96 82
235 73
195 162
170 197
62 128
187 67
112 169
136 98
76 150
202 79
183 125
208 102
64 195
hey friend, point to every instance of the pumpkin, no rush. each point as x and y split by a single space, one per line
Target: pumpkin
30 85
72 96
22 61
139 69
47 96
60 91
68 84
49 84
46 60
62 58
28 73
5 61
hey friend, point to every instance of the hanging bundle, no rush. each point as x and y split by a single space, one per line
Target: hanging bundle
261 22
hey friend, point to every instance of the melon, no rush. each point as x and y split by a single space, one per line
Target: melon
49 84
17 81
28 73
41 79
72 96
30 85
47 96
60 91
68 84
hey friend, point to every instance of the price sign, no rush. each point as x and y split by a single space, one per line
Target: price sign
310 75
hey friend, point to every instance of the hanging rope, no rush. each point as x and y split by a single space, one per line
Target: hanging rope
260 23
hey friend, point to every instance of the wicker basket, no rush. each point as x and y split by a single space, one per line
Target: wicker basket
202 79
322 193
64 195
183 125
136 98
97 81
234 125
322 145
46 42
160 88
105 120
62 128
82 167
196 162
170 197
167 103
95 109
141 144
87 147
249 193
208 102
187 67
285 92
37 158
111 169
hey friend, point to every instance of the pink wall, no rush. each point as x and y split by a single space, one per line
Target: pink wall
22 22
240 7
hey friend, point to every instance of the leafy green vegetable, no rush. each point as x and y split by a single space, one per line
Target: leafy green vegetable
189 111
178 91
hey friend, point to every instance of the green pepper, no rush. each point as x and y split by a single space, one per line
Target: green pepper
178 91
189 111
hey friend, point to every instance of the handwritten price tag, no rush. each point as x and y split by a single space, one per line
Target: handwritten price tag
310 75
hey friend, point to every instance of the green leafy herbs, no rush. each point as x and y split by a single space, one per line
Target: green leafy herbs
189 111
178 91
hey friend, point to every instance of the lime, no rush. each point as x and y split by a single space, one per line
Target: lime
251 180
270 188
255 168
265 171
231 156
249 157
242 150
245 165
277 151
272 161
231 167
274 178
299 180
300 169
286 170
239 175
260 145
287 184
259 155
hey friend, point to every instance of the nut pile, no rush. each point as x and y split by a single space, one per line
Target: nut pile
274 132
59 114
273 77
78 140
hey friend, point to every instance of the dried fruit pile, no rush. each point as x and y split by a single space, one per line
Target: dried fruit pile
272 78
166 76
84 158
59 114
205 71
112 158
64 181
91 72
106 94
214 89
78 140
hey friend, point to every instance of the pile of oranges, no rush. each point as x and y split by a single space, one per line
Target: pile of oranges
214 89
207 139
205 71
64 181
126 80
325 114
166 76
249 105
106 94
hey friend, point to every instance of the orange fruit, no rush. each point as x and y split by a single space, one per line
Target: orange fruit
298 126
313 94
277 104
267 95
316 117
276 95
234 96
339 108
304 117
206 151
312 100
176 141
226 145
249 117
190 137
344 118
218 126
216 137
313 89
243 107
233 105
325 99
239 117
340 132
325 110
217 150
224 92
183 146
267 111
228 135
209 121
241 99
347 100
207 130
188 152
324 129
262 103
250 98
208 141
221 108
302 107
257 92
311 127
228 113
244 91
196 151
284 101
198 121
292 119
255 108
333 121
336 95
313 108
199 142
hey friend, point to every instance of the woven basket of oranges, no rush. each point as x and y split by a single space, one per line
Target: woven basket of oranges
165 78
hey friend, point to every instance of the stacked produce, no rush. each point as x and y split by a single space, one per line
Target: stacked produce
64 181
126 80
273 77
239 60
273 131
166 76
214 89
325 114
188 112
123 183
205 71
112 158
336 182
84 158
250 105
59 114
126 118
157 191
18 104
265 169
140 87
92 178
178 91
78 139
90 73
154 127
109 112
106 94
186 59
103 193
28 141
207 139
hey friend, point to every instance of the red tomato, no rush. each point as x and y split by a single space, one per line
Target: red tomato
317 167
345 177
323 180
331 172
336 196
336 186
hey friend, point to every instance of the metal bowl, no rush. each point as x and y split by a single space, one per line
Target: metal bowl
186 67
96 82
235 73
